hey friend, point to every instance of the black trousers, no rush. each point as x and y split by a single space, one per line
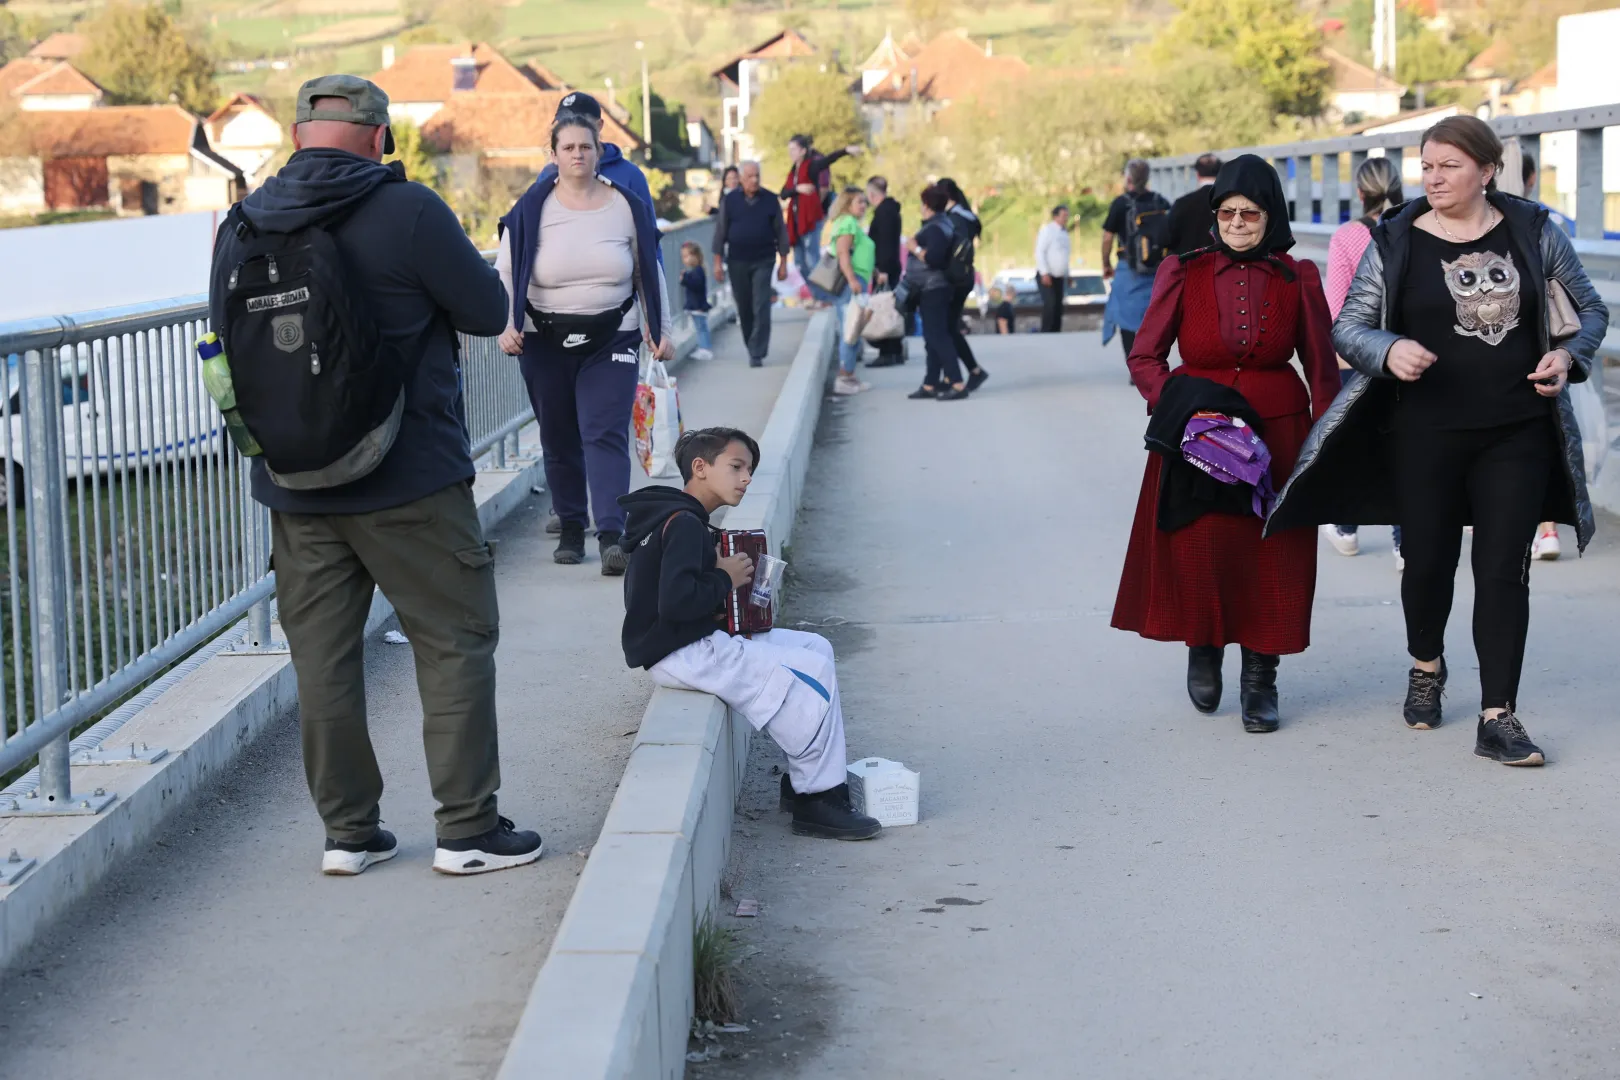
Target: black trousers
1497 477
1127 338
935 306
1052 305
751 285
963 350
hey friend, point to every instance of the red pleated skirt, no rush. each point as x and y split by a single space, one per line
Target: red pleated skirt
1215 581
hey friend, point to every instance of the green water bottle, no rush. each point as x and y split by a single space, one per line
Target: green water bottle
217 381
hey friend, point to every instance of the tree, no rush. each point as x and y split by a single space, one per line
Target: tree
417 12
668 122
139 55
930 17
806 100
474 20
1269 41
420 163
12 42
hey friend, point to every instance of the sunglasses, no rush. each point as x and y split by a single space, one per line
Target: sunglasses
1251 216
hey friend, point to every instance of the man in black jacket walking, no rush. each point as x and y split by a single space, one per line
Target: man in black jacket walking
886 232
410 526
749 237
1191 216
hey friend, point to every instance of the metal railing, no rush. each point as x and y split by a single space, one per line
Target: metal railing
1319 180
130 536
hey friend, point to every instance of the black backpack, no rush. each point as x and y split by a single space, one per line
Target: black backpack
316 385
959 270
1147 231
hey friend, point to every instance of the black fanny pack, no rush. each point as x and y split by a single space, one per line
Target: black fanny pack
580 334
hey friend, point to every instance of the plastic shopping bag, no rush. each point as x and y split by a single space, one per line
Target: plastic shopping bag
1587 397
883 321
656 415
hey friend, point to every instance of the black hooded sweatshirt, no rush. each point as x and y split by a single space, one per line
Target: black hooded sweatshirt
422 276
674 593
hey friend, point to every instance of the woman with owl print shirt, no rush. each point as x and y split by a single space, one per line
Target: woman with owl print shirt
1460 415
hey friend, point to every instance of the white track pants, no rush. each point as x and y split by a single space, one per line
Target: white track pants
783 682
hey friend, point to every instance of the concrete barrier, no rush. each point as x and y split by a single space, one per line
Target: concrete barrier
613 1001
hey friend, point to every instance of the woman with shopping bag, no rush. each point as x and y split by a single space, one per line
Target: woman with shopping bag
579 258
857 263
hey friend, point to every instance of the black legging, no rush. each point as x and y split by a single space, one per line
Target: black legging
959 339
935 306
1501 475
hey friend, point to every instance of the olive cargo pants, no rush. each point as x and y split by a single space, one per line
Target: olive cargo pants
431 561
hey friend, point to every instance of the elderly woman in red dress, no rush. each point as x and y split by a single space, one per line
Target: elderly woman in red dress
1239 310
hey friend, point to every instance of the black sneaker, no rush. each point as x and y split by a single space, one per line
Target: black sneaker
952 393
1504 739
923 393
571 545
1423 692
502 848
756 361
976 379
827 815
346 860
614 558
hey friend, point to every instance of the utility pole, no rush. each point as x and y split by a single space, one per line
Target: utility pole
646 101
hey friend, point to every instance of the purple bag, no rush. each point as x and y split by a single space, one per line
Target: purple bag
1230 451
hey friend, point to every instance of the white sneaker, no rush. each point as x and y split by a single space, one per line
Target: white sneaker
1400 562
1546 546
702 354
1344 543
843 385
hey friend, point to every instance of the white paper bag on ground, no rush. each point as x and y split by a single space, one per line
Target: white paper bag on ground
657 418
883 321
1587 397
886 790
855 316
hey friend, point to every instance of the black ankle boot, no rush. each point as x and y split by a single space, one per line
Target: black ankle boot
1259 692
785 802
827 814
1204 676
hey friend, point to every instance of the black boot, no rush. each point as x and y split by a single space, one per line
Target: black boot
1259 692
785 803
1204 676
827 815
571 545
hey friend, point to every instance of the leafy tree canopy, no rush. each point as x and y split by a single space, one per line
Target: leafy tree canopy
1270 42
140 55
806 100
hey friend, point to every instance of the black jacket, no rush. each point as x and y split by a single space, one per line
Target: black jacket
1191 218
1187 492
424 280
886 232
674 593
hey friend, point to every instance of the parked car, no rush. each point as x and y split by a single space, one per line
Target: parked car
1084 296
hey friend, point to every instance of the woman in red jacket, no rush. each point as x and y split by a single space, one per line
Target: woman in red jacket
801 195
1238 309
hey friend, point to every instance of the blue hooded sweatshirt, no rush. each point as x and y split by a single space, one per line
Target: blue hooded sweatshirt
520 228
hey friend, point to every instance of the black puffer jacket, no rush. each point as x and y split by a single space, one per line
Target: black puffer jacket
1344 472
673 590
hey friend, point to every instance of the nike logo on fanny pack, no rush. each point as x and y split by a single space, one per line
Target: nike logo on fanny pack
575 339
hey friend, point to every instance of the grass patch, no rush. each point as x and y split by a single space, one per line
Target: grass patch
715 953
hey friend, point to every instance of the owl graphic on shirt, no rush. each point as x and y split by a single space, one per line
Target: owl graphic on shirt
1485 286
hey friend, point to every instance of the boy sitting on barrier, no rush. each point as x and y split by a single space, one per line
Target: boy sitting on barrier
781 681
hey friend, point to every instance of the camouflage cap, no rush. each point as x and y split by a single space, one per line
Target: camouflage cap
368 104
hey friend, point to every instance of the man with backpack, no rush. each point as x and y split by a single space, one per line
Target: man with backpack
1140 219
337 290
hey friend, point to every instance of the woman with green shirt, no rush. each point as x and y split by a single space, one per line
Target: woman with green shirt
857 258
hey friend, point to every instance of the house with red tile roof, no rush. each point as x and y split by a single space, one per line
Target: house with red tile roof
1356 92
474 104
897 83
246 133
33 84
743 78
60 46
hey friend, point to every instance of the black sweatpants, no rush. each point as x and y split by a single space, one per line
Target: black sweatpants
1496 477
964 351
1052 305
935 307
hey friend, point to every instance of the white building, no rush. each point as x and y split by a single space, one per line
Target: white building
1587 75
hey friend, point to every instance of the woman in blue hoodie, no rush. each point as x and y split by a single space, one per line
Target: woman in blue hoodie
586 251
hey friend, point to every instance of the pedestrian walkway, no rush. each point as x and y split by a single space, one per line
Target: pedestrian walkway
223 952
1106 883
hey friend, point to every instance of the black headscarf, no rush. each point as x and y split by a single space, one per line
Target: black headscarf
1255 179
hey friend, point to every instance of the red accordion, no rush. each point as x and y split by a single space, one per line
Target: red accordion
741 616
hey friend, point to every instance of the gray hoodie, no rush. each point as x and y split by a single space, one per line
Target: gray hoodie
422 277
